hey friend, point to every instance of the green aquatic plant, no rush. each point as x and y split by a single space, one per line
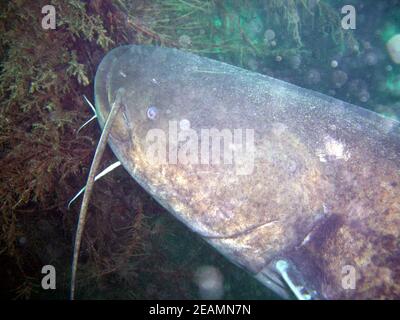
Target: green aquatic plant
77 70
288 11
234 31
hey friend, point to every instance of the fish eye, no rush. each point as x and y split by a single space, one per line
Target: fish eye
152 113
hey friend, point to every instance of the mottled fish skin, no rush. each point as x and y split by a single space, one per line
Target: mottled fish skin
325 188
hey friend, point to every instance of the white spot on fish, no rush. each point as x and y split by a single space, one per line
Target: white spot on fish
184 124
321 157
333 150
306 239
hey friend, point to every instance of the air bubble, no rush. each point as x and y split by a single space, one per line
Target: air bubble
269 35
210 282
185 41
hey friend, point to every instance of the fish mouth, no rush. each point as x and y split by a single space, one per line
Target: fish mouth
102 83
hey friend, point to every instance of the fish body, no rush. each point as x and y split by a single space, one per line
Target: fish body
301 177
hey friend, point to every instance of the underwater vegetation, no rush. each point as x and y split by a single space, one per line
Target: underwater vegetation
242 32
130 243
43 77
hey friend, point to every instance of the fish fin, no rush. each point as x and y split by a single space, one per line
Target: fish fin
89 186
101 174
282 267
